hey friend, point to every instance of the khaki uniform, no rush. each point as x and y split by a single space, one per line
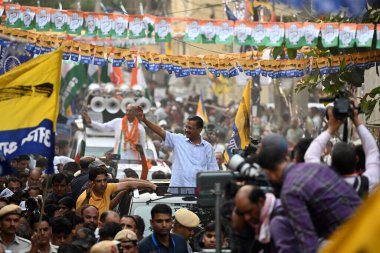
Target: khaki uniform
18 245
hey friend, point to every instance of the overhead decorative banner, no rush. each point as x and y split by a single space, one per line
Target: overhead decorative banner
105 25
311 33
275 34
330 34
136 27
364 35
121 26
148 29
43 19
243 32
29 98
347 34
162 30
294 35
193 32
75 22
225 32
27 19
59 21
209 32
226 65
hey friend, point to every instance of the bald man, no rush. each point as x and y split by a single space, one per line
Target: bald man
34 178
255 208
128 132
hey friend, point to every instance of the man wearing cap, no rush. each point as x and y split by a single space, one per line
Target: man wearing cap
185 223
9 223
191 153
128 132
315 199
105 247
128 241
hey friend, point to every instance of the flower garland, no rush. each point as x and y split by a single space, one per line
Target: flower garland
132 136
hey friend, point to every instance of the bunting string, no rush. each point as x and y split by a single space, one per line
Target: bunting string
226 65
149 29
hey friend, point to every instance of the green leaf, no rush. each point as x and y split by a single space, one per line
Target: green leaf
292 53
277 51
261 48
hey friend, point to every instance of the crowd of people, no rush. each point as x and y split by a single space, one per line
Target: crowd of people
317 185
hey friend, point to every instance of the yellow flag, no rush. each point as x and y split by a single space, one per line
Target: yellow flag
361 233
29 96
201 110
240 129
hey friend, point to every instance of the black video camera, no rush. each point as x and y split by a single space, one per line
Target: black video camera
343 107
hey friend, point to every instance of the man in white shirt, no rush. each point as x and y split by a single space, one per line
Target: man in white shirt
128 132
372 157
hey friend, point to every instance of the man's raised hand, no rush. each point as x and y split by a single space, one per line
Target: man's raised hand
140 113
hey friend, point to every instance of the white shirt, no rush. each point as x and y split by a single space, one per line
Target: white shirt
115 125
372 158
189 159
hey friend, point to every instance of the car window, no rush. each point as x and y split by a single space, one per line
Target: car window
97 151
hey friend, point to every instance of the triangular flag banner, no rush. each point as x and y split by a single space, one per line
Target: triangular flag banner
193 32
243 32
330 33
28 15
225 32
209 31
163 31
275 33
364 35
294 35
347 35
59 21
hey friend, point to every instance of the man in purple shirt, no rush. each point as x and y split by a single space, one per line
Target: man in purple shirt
316 200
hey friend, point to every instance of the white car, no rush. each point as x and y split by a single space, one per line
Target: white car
96 143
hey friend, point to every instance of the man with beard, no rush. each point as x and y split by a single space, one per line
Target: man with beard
90 216
9 223
192 154
162 240
42 235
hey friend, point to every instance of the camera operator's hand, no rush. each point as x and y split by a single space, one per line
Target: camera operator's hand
334 124
355 114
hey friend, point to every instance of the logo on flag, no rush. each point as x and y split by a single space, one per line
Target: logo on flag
29 101
240 129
